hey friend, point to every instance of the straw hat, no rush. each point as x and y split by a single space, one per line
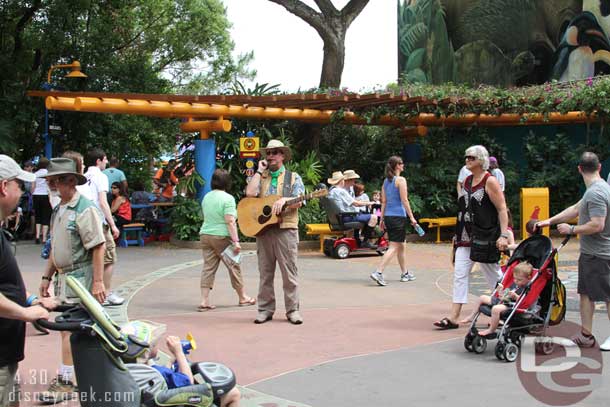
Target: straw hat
336 178
350 174
64 166
277 145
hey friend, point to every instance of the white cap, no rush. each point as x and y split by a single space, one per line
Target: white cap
9 169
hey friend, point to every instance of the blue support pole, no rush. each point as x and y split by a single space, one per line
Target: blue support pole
205 163
48 142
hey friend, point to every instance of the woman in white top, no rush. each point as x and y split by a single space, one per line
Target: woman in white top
40 198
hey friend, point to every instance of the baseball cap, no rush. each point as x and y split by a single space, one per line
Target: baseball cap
9 169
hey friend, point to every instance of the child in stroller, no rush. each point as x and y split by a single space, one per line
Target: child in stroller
504 299
540 304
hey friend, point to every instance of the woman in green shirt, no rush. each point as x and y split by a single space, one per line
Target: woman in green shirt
218 232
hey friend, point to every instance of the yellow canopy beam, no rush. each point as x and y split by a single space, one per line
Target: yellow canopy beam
180 109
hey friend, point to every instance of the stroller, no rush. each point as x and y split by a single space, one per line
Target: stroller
100 349
544 287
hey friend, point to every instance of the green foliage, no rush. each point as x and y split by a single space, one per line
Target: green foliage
143 46
310 213
186 218
551 163
309 168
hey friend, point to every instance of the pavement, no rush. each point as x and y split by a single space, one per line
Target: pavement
360 344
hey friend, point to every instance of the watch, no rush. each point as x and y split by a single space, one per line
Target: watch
504 235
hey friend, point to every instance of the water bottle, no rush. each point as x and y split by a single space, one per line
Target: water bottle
419 230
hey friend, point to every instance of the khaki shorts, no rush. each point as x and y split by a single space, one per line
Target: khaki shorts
7 383
110 256
64 293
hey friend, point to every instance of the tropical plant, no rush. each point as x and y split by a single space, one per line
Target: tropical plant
186 218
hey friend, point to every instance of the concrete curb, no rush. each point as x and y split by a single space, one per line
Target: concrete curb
185 244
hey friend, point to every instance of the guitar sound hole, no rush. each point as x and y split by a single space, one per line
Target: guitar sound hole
267 210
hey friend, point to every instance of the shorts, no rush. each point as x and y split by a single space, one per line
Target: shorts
42 209
64 293
110 256
396 226
7 384
594 277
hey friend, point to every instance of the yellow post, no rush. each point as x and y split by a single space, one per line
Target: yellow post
534 204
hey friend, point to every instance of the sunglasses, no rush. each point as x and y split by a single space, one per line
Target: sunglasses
60 179
274 152
115 187
470 158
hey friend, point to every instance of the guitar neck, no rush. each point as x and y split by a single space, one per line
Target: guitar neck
298 199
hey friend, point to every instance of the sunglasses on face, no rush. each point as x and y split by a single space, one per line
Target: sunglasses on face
274 152
60 179
115 187
470 158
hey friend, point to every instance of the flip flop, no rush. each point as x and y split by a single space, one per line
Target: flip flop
250 301
204 308
445 323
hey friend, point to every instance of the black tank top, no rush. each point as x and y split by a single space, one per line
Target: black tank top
474 206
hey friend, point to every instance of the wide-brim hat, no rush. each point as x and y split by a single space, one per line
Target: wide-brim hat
350 174
64 166
336 178
277 145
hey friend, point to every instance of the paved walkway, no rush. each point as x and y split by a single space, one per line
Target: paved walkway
361 344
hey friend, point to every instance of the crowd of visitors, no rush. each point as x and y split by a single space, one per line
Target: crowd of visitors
82 213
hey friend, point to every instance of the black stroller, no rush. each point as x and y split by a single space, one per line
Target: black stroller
99 349
544 288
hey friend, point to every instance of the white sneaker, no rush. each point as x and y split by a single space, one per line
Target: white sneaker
378 278
605 345
113 299
405 277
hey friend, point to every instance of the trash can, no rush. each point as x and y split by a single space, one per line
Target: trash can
534 205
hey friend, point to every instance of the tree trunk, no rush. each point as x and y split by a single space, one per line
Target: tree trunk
334 59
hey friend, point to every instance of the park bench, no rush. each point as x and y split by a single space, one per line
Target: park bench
322 229
438 223
132 228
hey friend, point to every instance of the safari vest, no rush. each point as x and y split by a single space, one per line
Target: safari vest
290 217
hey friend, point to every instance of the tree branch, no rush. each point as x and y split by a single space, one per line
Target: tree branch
327 8
352 10
28 13
304 12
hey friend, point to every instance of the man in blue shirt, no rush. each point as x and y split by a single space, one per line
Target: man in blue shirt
114 175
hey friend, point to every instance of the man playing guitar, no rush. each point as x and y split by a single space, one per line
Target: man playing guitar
277 243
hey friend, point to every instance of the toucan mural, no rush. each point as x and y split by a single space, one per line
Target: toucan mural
502 42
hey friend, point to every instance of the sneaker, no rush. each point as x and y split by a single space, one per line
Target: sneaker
404 277
113 299
606 345
295 318
58 391
378 278
583 341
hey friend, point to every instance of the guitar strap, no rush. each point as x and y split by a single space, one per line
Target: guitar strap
287 187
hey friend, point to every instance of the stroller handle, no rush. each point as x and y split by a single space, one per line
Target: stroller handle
59 326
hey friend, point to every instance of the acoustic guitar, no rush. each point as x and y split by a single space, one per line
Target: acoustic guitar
255 214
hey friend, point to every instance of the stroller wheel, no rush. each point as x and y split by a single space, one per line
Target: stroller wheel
515 337
479 344
468 342
511 351
545 346
499 351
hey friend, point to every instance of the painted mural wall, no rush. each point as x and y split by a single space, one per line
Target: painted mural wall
502 42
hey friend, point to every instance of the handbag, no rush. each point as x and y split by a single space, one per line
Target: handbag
483 247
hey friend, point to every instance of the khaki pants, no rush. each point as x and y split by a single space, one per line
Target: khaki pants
281 246
213 246
7 382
